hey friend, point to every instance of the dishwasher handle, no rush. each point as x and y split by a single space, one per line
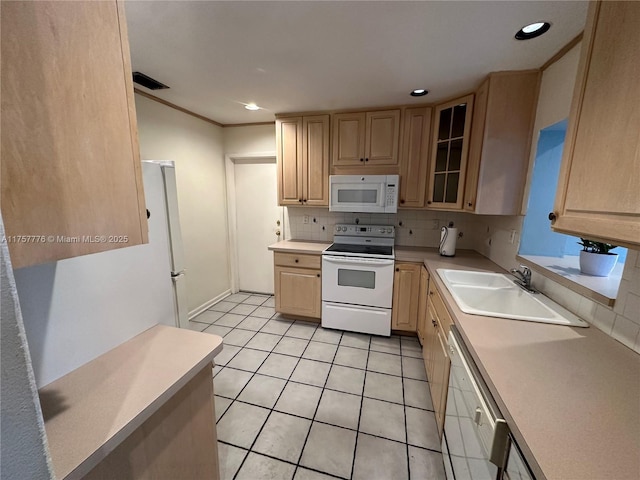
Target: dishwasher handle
500 445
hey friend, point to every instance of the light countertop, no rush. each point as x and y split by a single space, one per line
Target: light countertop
571 396
91 410
299 246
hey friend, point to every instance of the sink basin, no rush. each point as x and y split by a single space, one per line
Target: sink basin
479 279
495 295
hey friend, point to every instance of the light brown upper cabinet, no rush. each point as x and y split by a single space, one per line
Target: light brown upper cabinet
71 172
449 150
414 156
303 160
598 192
366 138
503 115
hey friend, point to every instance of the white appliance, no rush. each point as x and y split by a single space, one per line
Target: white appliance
475 442
357 279
363 193
517 467
160 189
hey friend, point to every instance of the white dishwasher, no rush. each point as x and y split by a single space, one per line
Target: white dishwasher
475 443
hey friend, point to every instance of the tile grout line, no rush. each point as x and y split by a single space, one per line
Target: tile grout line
270 410
280 460
364 382
332 364
328 424
304 444
404 411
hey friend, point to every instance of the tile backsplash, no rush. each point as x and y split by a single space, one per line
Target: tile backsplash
495 237
414 228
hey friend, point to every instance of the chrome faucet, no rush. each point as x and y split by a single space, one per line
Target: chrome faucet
523 278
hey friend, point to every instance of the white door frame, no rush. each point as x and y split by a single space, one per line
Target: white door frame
229 164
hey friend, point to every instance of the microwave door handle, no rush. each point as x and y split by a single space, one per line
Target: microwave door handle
357 261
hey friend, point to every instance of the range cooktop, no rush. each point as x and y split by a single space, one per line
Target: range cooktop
379 250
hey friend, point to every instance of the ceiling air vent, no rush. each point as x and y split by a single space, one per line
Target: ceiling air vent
148 82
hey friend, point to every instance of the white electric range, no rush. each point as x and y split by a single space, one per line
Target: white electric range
357 279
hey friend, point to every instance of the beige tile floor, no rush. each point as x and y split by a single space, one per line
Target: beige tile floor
296 401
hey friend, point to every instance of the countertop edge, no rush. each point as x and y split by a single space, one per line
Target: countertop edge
432 264
308 247
106 447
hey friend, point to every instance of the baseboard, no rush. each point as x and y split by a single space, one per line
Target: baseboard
205 306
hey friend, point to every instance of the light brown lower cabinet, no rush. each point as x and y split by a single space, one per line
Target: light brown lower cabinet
406 285
422 305
178 441
435 353
298 284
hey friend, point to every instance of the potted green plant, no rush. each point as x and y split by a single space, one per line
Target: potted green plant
595 258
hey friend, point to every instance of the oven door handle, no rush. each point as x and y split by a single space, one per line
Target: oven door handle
357 260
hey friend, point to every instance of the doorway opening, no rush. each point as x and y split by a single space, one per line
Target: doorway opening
255 220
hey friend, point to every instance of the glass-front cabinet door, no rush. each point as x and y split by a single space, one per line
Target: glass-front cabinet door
449 155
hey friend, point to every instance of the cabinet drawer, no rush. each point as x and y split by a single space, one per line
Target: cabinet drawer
296 260
441 310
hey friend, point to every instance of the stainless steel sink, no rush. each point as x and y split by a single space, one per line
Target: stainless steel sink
495 295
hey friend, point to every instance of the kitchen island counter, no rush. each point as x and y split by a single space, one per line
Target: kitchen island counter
89 412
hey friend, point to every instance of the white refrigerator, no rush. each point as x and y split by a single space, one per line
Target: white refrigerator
161 197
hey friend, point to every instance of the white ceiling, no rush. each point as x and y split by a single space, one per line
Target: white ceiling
296 56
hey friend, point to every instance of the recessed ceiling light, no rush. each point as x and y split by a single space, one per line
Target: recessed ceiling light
532 30
419 92
252 106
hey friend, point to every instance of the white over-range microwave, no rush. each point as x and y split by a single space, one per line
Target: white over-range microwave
363 193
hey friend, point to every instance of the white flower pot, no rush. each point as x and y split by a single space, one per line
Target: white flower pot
597 264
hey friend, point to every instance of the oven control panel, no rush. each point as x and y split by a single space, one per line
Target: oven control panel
385 231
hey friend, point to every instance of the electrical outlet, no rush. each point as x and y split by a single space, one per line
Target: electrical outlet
512 236
305 219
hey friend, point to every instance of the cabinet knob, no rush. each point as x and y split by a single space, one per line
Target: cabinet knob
401 201
300 200
552 217
470 204
434 323
366 159
318 275
296 260
304 200
362 159
428 202
430 292
397 269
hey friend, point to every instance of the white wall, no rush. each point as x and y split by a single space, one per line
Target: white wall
249 139
554 102
491 234
197 149
79 308
24 446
